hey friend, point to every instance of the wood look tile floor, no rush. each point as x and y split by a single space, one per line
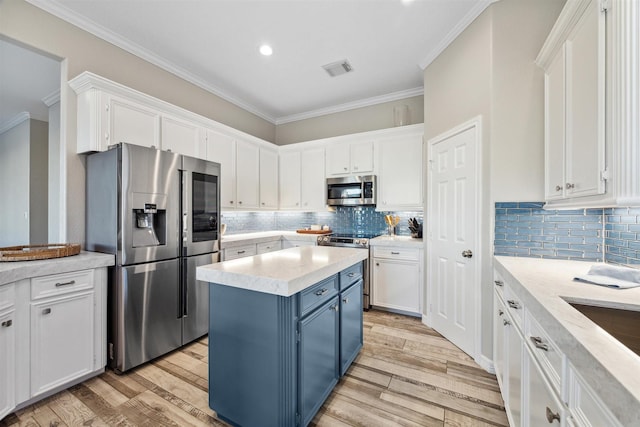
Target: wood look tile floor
406 375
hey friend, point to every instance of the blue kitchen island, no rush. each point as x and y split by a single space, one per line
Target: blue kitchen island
284 326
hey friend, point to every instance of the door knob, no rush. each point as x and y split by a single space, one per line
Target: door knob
467 253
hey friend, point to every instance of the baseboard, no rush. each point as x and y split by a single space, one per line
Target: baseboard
486 364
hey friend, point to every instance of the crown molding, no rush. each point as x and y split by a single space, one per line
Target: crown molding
394 96
52 98
478 8
14 121
64 13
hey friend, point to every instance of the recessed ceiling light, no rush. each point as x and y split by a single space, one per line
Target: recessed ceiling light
266 50
406 2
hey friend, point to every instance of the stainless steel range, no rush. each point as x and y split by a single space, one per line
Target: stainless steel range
360 241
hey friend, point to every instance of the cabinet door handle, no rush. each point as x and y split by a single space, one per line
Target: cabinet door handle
505 322
551 417
241 252
46 311
70 282
570 186
377 264
558 187
499 283
395 253
322 292
335 308
513 304
7 323
537 341
500 312
345 300
230 202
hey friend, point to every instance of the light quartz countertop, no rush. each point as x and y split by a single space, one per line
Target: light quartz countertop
18 270
233 240
284 272
610 368
404 241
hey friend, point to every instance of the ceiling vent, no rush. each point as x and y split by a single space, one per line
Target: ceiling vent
336 68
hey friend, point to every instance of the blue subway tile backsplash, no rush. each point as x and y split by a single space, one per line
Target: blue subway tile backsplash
361 219
526 229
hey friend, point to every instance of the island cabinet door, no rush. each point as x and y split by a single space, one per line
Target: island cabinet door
318 355
350 325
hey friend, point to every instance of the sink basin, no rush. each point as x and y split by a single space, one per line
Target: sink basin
623 325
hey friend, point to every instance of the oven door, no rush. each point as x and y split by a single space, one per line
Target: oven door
200 206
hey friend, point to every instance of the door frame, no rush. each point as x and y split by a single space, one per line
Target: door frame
427 317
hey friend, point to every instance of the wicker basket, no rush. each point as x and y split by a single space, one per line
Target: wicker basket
35 252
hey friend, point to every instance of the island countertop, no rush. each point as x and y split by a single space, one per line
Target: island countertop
284 272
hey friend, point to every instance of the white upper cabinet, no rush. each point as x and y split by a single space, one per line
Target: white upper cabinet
591 105
131 123
268 178
313 191
247 175
302 179
346 157
183 137
400 175
290 179
222 149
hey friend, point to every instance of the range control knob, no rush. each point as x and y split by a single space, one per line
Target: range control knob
325 239
356 241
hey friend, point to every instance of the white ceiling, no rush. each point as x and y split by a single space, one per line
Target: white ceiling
26 77
214 44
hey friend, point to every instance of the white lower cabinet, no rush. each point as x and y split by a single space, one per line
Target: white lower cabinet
265 247
293 243
539 384
7 349
396 279
60 320
239 252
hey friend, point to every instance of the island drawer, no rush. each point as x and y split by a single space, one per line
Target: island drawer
317 294
59 284
350 275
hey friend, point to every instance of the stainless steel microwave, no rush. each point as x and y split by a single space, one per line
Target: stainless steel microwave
351 191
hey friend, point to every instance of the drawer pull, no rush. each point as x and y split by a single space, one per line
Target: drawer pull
322 292
241 252
500 312
395 253
7 323
513 304
499 283
351 274
70 282
537 341
505 322
46 311
551 417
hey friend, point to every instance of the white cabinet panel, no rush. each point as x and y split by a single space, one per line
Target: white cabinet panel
268 179
347 157
400 173
61 340
361 160
338 159
180 136
396 285
499 339
543 407
585 405
133 123
290 180
313 192
513 372
222 149
247 175
555 129
7 349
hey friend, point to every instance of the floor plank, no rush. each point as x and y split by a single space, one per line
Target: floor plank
406 375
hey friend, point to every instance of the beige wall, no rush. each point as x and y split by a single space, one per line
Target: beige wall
489 71
363 119
38 168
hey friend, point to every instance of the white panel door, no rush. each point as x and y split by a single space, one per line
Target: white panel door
396 285
453 226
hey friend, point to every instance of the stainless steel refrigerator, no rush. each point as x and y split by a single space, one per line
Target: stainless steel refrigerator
144 207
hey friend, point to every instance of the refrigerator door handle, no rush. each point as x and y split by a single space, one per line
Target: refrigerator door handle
184 289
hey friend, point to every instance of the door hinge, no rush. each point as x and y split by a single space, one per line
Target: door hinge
605 5
604 175
110 351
